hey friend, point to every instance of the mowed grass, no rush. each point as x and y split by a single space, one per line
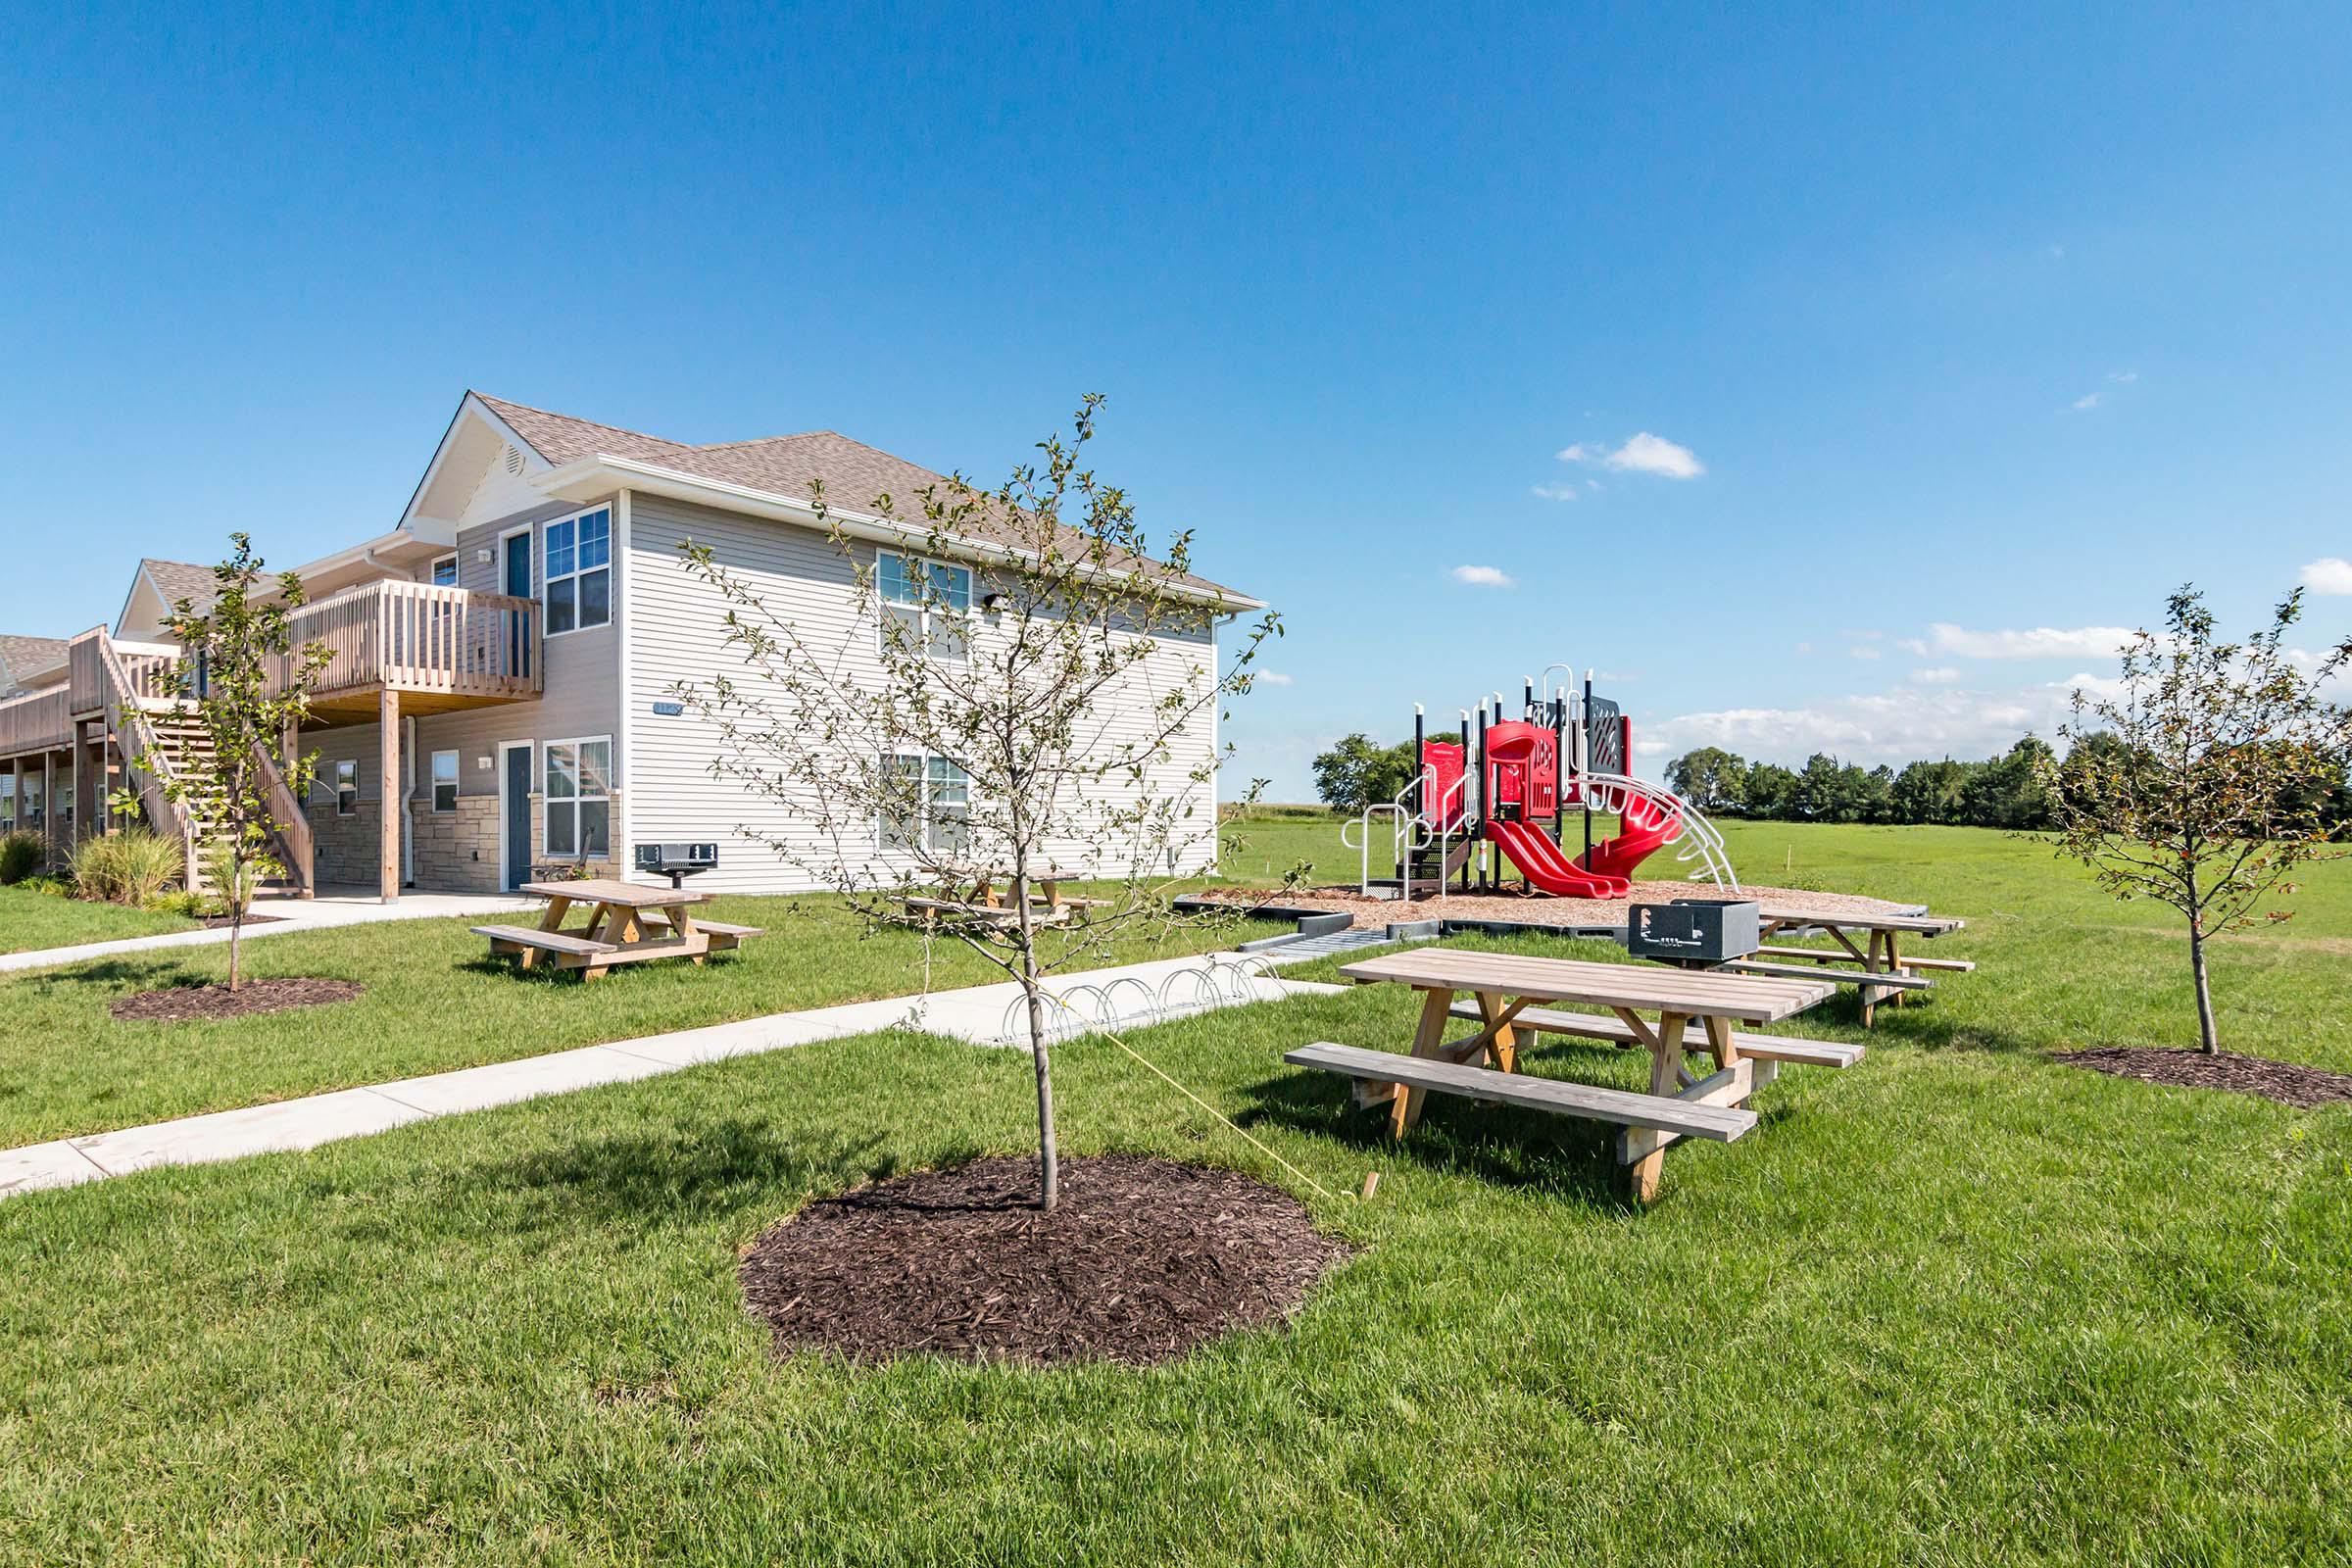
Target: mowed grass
30 920
436 1001
1961 1303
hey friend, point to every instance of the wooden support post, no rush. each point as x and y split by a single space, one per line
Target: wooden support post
49 806
1427 1041
1665 1080
387 848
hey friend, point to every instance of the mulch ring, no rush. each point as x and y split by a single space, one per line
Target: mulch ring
1143 1260
186 1004
2288 1083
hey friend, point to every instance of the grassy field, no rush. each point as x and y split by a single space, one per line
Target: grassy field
1961 1303
31 920
436 1001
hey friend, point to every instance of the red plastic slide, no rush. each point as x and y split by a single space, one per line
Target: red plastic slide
1532 851
1646 825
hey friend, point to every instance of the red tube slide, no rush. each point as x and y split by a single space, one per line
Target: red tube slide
1534 853
1646 825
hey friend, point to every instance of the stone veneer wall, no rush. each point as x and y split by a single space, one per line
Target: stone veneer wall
457 851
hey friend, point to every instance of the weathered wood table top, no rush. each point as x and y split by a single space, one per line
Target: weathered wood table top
1924 925
624 895
1650 988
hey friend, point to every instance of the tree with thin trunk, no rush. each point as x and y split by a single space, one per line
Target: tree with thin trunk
1021 691
2203 780
241 678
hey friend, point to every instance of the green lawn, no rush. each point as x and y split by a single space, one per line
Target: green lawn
1960 1303
30 920
436 1001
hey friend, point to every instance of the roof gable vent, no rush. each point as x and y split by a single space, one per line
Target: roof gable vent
510 459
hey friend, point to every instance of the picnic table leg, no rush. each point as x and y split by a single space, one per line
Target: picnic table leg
1665 1078
681 925
1428 1041
1868 992
1505 1044
1894 962
1720 1045
552 917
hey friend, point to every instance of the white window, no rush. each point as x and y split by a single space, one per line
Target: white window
8 802
444 572
578 575
931 598
579 799
445 781
931 804
347 788
32 810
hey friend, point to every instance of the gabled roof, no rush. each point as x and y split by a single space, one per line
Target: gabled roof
179 579
853 472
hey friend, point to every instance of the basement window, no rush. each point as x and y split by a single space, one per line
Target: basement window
445 782
347 788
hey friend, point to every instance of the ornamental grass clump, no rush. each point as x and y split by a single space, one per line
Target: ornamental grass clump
135 866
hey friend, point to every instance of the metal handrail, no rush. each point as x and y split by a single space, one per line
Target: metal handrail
1700 838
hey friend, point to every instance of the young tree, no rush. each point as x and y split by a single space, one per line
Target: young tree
1355 774
240 678
1040 718
2201 798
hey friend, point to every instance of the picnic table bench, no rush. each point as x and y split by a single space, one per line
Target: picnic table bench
1886 971
627 924
1503 988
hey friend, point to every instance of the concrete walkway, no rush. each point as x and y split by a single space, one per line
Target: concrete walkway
332 908
1127 995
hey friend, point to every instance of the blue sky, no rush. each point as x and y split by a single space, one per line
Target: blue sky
1884 341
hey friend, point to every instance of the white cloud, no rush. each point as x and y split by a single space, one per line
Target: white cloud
2087 402
2330 574
1893 727
2041 642
1555 492
1483 576
2122 377
1643 453
1938 675
1270 677
1862 651
1914 645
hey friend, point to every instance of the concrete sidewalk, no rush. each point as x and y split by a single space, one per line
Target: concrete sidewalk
1125 996
283 917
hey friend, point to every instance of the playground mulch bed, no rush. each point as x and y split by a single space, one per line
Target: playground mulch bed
2288 1083
1533 908
1143 1260
188 1004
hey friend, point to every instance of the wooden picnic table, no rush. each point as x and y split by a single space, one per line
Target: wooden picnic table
1881 952
1504 986
626 924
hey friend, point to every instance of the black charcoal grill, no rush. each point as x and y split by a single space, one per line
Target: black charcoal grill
677 861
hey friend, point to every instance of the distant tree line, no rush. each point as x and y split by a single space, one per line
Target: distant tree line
2010 791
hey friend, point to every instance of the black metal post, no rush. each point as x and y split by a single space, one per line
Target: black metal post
1486 795
1584 793
1559 764
1404 867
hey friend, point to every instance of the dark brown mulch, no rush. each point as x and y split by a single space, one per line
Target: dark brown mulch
184 1003
1143 1260
2287 1082
219 923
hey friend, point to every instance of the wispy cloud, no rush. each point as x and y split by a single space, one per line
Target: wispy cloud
1565 491
1935 676
1274 677
2087 402
2039 642
2330 574
1483 576
1862 651
1643 453
2091 400
2122 377
1916 721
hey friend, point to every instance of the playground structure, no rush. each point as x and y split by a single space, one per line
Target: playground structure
1499 793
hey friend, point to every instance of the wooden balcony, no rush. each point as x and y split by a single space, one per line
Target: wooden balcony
440 648
40 722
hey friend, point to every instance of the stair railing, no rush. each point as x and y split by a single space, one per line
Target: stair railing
1409 829
144 755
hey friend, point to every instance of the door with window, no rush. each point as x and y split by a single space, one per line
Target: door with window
515 579
514 761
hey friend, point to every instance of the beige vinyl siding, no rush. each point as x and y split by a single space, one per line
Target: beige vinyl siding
677 629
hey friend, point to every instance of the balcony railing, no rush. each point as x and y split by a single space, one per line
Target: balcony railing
416 637
43 721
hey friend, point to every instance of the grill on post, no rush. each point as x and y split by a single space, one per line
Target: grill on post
1694 930
677 861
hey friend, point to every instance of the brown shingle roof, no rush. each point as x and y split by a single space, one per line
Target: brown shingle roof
854 473
179 579
20 656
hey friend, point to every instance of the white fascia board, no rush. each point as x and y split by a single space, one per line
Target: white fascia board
592 477
470 404
399 539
